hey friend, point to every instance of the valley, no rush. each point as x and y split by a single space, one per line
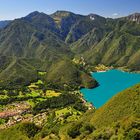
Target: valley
34 103
59 77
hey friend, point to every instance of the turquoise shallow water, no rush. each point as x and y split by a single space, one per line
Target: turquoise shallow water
111 82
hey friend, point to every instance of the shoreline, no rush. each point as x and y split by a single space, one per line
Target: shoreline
102 71
128 71
120 69
103 68
90 105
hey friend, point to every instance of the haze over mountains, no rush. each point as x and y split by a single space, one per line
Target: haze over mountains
50 43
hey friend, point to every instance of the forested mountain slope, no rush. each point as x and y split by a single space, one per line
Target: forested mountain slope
48 40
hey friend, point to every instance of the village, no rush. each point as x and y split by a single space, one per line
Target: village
21 111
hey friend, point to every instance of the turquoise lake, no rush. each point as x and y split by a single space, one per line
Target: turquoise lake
111 82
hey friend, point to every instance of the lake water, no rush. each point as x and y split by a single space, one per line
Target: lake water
111 82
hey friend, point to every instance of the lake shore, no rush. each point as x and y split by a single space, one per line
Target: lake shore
127 70
102 68
111 83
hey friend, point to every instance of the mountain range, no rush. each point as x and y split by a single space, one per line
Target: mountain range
50 43
46 59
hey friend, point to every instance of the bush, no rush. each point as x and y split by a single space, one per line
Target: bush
56 102
87 128
80 106
134 134
74 131
30 129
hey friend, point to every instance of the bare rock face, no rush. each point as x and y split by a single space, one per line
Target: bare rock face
134 17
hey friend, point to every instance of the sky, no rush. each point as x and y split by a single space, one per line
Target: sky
11 9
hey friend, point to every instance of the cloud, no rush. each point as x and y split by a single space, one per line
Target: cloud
115 14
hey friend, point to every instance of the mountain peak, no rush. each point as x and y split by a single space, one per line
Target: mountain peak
95 16
134 17
136 14
92 16
35 14
61 14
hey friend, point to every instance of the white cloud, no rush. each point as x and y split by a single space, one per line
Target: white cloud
115 14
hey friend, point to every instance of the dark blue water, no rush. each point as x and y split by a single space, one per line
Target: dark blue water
111 82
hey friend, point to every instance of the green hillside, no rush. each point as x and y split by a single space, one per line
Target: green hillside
117 119
20 132
49 41
26 40
124 104
119 47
